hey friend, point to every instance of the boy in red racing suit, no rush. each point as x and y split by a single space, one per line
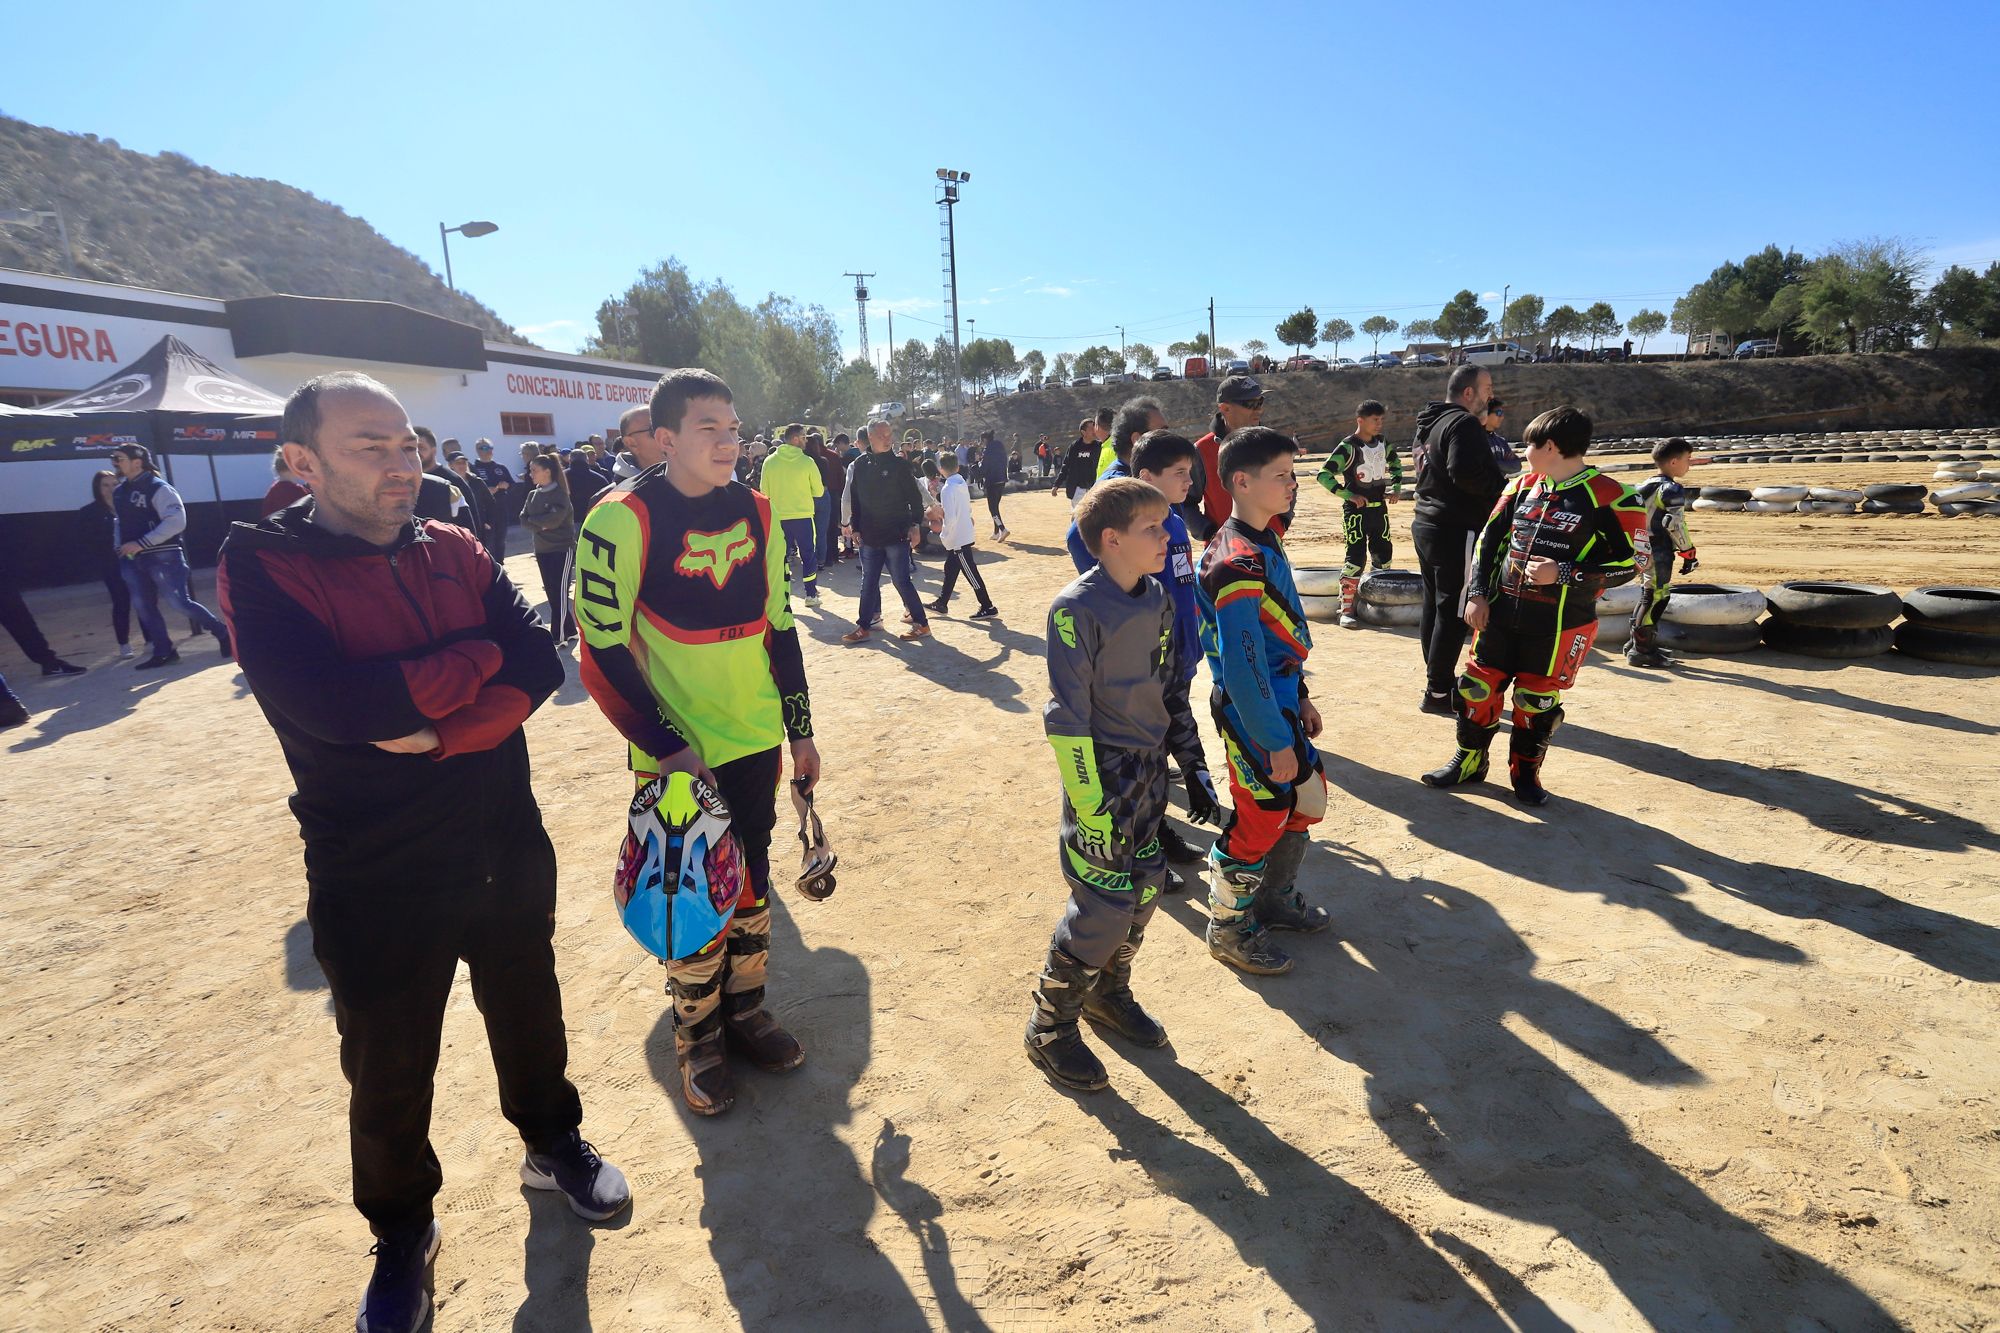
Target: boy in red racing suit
1561 533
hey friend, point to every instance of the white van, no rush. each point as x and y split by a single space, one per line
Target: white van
1496 354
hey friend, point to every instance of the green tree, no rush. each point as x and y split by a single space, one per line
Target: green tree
1600 321
1647 324
1034 363
1337 331
655 322
1460 319
1563 325
1093 361
1420 331
1522 319
1958 301
1299 329
1063 367
1223 353
1862 296
1736 298
1180 352
1144 357
1255 346
911 371
1377 327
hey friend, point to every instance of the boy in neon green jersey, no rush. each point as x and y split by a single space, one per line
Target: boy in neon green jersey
690 649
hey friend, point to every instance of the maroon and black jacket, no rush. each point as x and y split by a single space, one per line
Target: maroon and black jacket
345 644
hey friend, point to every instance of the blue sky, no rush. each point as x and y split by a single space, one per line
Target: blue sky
1128 162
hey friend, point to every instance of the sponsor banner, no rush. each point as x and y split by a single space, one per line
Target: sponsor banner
29 438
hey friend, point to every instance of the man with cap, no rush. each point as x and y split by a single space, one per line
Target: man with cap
499 483
1239 402
439 495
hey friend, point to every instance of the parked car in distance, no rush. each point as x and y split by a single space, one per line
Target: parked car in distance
1425 359
1379 361
1494 354
1163 372
1343 363
1195 368
1236 366
1756 347
1080 382
1305 363
887 411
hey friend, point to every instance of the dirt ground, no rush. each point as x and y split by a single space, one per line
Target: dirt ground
1710 1041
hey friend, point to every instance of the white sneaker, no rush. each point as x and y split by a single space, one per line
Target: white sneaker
124 652
1349 622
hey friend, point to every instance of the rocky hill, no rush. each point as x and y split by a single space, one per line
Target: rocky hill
169 223
1949 387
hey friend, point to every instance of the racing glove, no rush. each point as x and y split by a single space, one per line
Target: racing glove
1203 805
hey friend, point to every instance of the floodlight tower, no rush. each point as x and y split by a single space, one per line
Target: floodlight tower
861 303
947 197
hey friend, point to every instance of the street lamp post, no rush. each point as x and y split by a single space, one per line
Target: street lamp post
1503 310
466 229
949 182
34 217
1121 342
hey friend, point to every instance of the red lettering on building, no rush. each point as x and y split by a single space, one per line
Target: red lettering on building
62 342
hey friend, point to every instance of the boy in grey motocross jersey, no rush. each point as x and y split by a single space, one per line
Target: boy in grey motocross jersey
1110 661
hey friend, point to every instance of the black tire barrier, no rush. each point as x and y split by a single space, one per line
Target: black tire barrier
1934 644
1971 509
1892 507
1895 492
1732 494
1957 607
1738 638
1822 604
1713 604
1394 617
1838 644
1392 587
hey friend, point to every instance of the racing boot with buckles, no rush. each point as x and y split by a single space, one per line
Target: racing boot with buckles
1054 1044
1110 1001
1468 763
1279 904
1234 934
707 1086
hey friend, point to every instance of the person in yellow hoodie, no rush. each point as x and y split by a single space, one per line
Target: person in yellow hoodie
791 482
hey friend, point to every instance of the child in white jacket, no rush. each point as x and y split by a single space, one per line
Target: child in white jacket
956 535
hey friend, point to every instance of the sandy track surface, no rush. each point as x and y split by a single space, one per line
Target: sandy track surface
1710 1041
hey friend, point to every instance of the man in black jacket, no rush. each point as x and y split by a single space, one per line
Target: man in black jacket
396 664
1079 467
883 508
1458 481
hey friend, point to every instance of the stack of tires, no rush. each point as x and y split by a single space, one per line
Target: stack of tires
1819 618
1711 618
1830 500
1893 499
1775 499
1614 615
1319 592
1725 498
1968 497
1391 598
1959 625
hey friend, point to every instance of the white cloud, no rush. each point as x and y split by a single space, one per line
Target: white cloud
1489 296
1051 291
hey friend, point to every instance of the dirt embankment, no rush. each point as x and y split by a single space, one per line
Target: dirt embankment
1951 387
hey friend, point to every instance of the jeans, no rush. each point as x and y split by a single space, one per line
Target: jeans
1445 557
897 558
801 552
823 524
165 573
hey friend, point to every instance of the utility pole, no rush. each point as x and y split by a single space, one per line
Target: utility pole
1211 335
1121 342
861 302
1503 309
889 362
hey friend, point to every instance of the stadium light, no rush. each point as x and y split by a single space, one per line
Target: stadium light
467 229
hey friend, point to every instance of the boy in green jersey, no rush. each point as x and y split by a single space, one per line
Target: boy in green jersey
690 649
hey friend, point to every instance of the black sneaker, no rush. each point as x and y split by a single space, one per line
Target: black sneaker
13 713
938 607
1176 847
1438 704
398 1298
55 666
158 660
595 1188
986 613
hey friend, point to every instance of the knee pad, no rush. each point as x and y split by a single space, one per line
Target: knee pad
1309 796
1480 692
1538 712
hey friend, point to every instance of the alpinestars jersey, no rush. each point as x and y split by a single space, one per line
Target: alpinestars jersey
1666 531
1253 629
1590 525
686 621
1361 471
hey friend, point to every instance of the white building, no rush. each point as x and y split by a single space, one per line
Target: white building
59 335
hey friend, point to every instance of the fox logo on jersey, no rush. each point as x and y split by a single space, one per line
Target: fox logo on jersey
717 554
